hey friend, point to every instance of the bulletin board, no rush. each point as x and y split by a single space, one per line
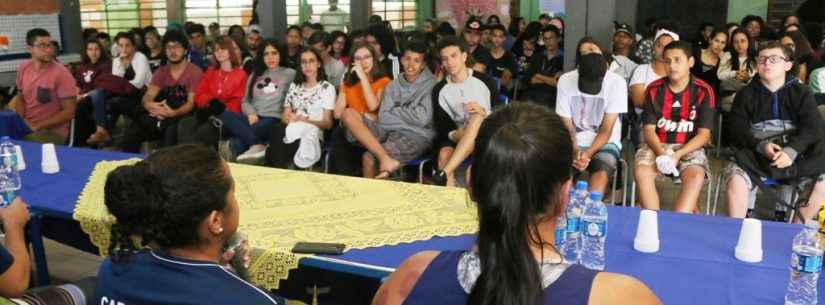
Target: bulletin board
17 18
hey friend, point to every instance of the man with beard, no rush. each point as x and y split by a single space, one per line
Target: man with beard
169 96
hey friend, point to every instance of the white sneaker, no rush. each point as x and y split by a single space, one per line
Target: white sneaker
255 152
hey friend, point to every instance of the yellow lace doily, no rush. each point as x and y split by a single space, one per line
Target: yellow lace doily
282 207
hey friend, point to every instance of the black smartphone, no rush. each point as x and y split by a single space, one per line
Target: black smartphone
318 248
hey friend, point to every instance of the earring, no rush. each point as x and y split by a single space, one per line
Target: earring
220 230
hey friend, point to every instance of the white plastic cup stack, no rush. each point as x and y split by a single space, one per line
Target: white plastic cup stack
21 162
749 247
49 162
647 232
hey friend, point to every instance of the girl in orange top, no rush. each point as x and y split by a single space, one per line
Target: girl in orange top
363 87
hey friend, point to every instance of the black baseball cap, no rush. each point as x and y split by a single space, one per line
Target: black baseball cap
592 69
473 24
622 27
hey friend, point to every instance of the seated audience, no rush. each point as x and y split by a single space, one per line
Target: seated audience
154 49
590 100
335 69
307 110
523 159
461 101
403 129
293 47
182 231
169 97
678 117
707 59
803 52
120 94
502 63
340 47
736 68
47 93
94 61
473 37
362 90
778 134
384 44
263 102
623 41
544 71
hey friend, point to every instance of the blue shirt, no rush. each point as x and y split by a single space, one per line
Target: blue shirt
6 260
149 277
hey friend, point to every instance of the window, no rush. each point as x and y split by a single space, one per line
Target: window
400 13
224 12
298 11
113 16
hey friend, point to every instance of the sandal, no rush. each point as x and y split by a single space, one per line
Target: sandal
440 178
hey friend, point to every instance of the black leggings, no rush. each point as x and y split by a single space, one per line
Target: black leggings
280 154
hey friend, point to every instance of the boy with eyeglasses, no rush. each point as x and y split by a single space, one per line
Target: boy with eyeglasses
779 135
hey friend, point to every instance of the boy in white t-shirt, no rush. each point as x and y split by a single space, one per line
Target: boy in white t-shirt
589 102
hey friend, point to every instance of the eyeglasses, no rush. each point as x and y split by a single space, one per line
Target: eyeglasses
773 59
43 46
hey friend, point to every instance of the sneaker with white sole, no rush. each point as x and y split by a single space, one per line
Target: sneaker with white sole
254 152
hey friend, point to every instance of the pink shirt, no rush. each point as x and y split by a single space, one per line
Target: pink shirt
43 90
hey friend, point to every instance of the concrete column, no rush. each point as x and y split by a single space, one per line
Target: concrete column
72 28
360 13
272 18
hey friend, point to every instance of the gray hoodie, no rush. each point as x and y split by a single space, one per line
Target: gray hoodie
407 107
268 93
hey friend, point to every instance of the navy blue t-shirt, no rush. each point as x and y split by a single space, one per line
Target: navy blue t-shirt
5 259
149 277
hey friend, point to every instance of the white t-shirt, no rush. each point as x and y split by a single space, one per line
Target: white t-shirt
452 97
644 74
587 111
311 102
140 64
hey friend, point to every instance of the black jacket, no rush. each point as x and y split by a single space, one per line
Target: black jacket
794 103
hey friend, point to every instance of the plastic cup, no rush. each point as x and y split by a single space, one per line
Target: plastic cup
49 162
647 232
749 247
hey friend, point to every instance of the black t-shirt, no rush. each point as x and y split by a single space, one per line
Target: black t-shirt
679 115
294 62
505 62
482 55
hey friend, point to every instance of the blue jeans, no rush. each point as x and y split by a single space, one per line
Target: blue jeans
246 135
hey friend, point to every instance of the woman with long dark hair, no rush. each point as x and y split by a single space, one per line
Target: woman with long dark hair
708 59
261 105
520 180
803 53
180 203
737 67
361 90
310 100
340 47
94 61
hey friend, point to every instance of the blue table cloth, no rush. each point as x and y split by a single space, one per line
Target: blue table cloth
12 125
695 264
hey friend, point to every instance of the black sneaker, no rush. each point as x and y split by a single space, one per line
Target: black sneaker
440 178
749 214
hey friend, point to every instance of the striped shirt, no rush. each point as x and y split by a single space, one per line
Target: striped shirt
679 115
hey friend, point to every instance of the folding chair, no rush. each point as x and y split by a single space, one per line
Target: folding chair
798 197
420 163
707 185
625 171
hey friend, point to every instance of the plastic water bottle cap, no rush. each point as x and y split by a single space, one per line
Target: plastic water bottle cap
595 196
581 185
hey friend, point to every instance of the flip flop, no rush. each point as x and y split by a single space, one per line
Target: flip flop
383 175
440 178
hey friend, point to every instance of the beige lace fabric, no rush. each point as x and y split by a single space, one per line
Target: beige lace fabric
280 207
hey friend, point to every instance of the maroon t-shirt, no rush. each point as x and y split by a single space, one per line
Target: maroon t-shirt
190 78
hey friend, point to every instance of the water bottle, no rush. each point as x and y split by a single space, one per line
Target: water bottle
9 176
594 232
806 262
561 229
572 239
